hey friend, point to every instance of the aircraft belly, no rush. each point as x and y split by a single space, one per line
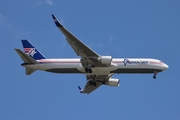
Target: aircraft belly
103 70
63 68
136 70
98 70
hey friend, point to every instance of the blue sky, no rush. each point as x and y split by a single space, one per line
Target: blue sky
124 28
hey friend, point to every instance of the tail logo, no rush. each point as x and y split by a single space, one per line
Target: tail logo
30 51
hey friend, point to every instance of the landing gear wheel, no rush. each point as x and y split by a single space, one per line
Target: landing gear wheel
95 84
155 73
88 70
154 76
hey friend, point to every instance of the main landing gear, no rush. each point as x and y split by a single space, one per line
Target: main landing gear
88 70
155 73
92 81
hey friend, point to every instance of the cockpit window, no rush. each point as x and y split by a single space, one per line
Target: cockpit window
160 61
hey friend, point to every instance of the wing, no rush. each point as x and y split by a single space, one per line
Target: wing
89 88
94 82
87 54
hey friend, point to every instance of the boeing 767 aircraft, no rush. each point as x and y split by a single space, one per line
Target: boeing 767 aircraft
98 69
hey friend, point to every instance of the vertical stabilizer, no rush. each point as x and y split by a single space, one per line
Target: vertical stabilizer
30 50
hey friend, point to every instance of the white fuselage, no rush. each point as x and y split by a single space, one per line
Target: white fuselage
118 65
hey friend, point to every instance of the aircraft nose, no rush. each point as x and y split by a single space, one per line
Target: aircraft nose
165 66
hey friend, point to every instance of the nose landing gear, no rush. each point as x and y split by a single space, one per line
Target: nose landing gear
155 73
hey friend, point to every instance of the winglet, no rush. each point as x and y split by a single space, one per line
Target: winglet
80 89
58 24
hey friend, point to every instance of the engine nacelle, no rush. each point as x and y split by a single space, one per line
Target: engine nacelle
105 59
113 82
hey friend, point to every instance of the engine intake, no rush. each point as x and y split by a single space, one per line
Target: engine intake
105 59
113 82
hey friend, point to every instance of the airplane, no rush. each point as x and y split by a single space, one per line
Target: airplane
98 69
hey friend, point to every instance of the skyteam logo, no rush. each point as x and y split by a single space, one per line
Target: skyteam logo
30 51
127 61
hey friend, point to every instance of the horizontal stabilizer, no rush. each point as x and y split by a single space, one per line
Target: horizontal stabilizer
25 57
29 71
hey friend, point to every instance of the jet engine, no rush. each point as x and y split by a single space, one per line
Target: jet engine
105 59
113 82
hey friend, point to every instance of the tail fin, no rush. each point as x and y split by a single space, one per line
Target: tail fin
30 50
